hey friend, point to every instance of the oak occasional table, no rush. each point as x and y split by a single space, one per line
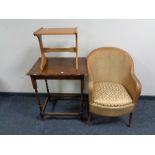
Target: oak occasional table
58 69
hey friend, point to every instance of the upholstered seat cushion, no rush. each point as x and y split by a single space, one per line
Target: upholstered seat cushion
111 94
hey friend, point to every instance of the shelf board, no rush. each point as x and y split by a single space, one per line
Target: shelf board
71 49
55 31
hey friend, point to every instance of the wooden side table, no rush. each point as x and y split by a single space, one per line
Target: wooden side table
56 31
61 69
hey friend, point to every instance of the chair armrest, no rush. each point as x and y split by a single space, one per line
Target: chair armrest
133 86
91 91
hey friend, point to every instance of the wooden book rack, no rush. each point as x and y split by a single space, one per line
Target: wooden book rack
56 31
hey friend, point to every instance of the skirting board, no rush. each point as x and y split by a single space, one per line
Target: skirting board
67 95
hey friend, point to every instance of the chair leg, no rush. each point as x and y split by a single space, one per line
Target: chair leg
89 118
130 119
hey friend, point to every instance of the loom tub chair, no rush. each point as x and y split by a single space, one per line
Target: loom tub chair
112 85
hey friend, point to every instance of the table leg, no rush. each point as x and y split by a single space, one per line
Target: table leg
48 92
34 84
81 99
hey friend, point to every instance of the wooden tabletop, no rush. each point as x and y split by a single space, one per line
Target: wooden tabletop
59 67
55 31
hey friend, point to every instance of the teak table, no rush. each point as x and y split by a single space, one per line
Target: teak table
56 31
61 69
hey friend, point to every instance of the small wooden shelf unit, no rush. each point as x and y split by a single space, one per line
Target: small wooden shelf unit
56 31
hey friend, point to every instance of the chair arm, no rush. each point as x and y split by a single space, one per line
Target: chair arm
133 86
91 91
